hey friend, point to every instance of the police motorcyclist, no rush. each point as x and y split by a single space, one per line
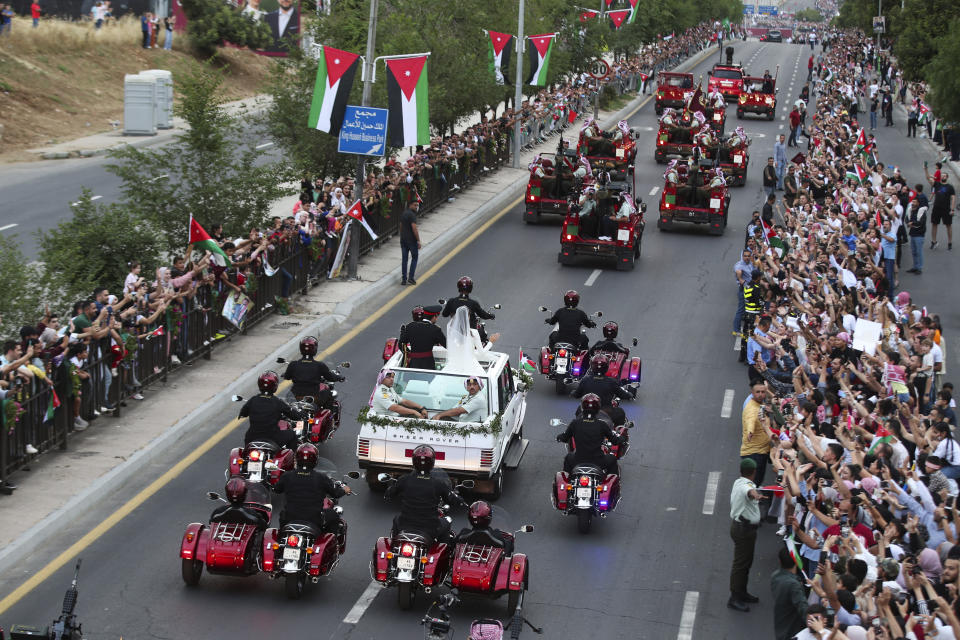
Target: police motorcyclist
569 320
589 433
463 299
480 517
265 411
235 512
609 343
606 388
307 374
417 340
420 494
305 489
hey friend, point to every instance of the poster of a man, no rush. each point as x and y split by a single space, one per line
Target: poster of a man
284 23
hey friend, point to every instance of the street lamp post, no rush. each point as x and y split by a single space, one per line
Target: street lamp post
368 72
518 94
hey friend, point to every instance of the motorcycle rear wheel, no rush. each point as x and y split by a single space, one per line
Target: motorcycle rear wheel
293 584
584 518
561 387
514 599
191 570
405 595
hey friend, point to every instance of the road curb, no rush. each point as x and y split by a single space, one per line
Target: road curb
95 493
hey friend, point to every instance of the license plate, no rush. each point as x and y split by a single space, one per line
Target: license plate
406 564
291 553
254 467
298 427
561 362
714 203
584 492
623 235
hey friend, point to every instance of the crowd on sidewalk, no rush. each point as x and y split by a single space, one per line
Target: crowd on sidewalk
847 450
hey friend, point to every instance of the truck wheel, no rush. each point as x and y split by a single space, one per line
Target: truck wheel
497 489
771 115
658 157
405 595
373 483
636 246
584 518
191 571
293 585
561 387
531 217
739 114
658 109
661 225
628 264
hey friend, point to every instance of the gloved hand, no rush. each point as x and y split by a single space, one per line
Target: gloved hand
559 438
493 316
546 320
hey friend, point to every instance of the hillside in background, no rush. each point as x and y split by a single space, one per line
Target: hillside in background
64 80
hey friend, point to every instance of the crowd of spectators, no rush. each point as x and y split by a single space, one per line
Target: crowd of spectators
848 440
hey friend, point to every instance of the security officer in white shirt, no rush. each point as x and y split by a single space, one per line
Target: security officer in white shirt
472 407
386 400
745 517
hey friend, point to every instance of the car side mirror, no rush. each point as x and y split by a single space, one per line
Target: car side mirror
710 72
599 314
542 309
384 477
496 306
213 495
354 475
635 342
555 422
527 528
236 398
441 301
281 361
466 484
345 365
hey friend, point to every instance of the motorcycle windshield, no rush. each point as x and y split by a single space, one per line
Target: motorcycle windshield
258 494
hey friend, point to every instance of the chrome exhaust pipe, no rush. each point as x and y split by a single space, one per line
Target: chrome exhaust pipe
427 590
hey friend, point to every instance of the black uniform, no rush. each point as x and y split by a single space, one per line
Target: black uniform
420 495
475 536
589 435
570 320
417 339
307 374
607 346
476 311
607 389
231 514
305 491
265 411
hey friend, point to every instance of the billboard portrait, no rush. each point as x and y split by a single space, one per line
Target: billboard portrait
283 18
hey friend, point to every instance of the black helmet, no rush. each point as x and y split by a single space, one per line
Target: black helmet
590 405
610 330
268 382
599 363
307 456
480 514
236 490
423 458
308 346
571 298
417 312
465 284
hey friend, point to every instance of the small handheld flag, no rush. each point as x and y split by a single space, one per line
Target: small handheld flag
356 212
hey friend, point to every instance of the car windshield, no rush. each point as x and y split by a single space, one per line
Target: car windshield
435 391
727 74
774 34
682 82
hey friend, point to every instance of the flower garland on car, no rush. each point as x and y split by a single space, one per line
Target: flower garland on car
412 425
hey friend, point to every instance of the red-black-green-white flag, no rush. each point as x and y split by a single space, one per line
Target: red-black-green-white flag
409 119
201 240
51 406
861 142
588 14
633 11
500 47
335 74
356 212
619 16
538 53
881 436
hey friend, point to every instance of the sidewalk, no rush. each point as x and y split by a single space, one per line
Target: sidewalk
113 449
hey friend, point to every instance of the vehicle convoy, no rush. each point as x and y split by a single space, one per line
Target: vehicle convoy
732 156
672 90
698 197
759 96
676 135
264 460
604 223
479 445
551 181
614 150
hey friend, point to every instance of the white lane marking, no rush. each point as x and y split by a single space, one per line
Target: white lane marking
653 191
9 226
710 497
727 408
264 145
353 617
73 204
736 343
781 126
689 615
593 278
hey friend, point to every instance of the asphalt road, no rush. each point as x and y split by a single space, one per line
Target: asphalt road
657 568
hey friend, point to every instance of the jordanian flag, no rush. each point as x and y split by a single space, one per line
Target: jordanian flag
501 44
857 174
619 16
409 120
51 406
882 435
330 92
356 212
201 240
861 142
588 14
633 11
539 55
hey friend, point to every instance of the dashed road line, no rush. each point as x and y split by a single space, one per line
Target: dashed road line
593 278
689 615
710 496
653 191
727 407
363 602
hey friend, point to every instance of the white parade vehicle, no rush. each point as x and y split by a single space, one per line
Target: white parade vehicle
479 450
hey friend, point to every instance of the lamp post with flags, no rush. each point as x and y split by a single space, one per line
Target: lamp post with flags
518 90
367 75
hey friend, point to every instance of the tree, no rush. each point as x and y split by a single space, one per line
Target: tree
212 171
808 15
93 247
941 73
916 29
18 281
210 23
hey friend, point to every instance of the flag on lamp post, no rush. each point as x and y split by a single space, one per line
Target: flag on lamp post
335 73
409 118
633 11
539 55
500 45
619 16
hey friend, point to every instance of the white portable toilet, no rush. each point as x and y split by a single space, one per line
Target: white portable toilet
164 104
139 100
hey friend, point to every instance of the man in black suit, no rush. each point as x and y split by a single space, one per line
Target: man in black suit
285 21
